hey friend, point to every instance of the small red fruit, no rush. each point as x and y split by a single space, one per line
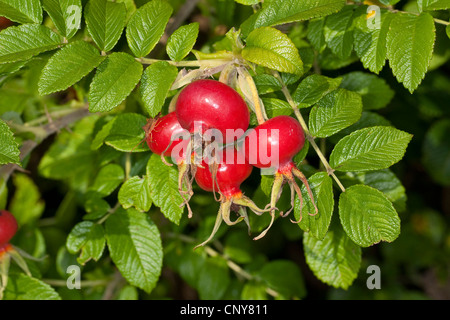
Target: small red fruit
224 175
210 104
273 144
232 170
5 23
8 227
164 137
163 134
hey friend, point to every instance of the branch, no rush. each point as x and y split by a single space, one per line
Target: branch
48 129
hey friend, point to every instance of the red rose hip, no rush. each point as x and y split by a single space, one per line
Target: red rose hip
8 227
273 144
210 104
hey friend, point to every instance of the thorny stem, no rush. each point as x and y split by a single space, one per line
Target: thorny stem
310 138
231 264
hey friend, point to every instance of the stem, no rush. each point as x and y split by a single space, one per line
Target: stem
189 63
111 211
83 283
55 114
47 130
127 166
310 138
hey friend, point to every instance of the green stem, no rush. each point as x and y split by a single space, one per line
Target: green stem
209 63
111 211
310 138
127 166
83 283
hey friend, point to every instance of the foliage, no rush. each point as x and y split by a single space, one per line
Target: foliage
366 80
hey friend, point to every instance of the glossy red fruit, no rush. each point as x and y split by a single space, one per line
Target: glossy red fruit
5 23
274 143
210 104
225 176
162 135
165 137
232 170
8 227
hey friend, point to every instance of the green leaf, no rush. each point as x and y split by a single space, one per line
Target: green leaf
276 107
334 112
105 21
253 290
214 279
335 260
128 293
329 61
134 243
322 189
9 149
22 11
368 216
375 92
135 192
285 277
410 43
26 203
147 26
436 152
68 66
313 88
271 48
114 80
71 150
25 41
368 119
387 182
89 238
248 2
164 192
370 40
338 32
23 287
428 5
315 34
95 206
7 70
266 83
281 12
181 42
372 148
65 14
155 85
108 179
124 132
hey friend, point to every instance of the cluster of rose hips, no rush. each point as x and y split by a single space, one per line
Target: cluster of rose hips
207 137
